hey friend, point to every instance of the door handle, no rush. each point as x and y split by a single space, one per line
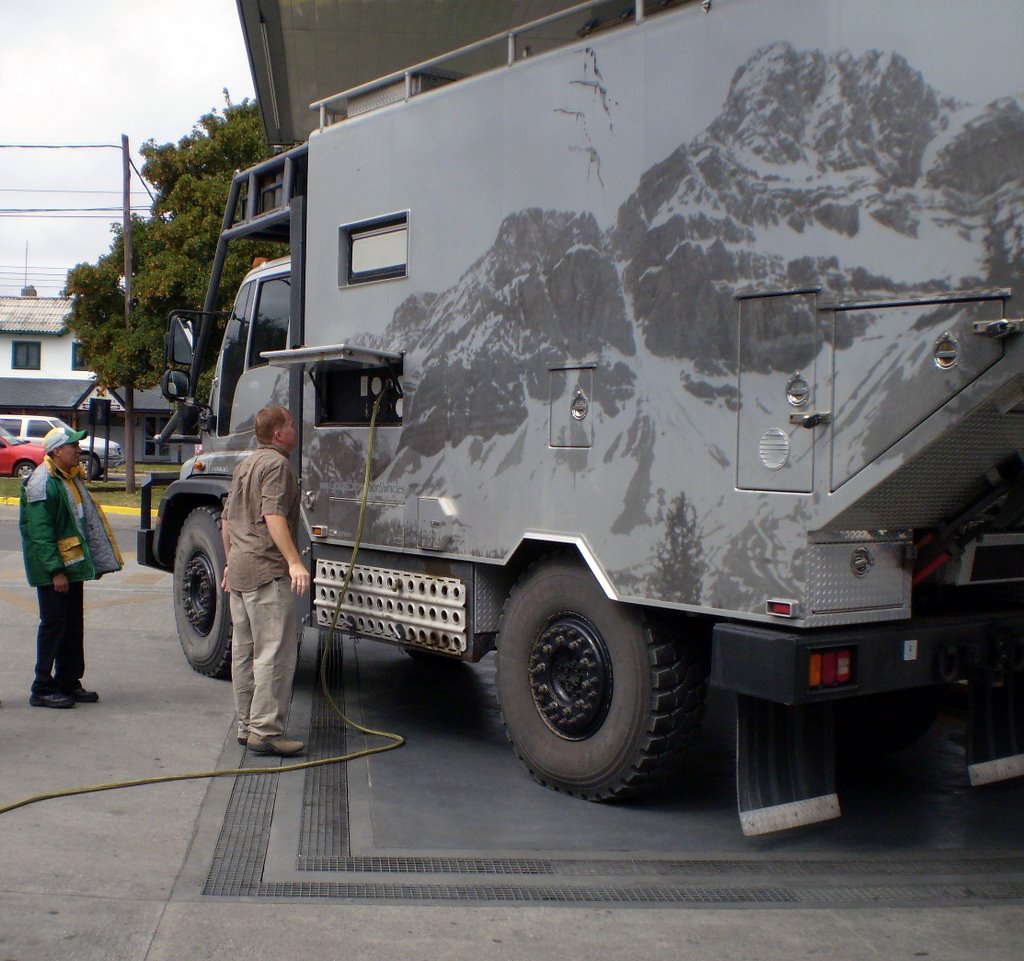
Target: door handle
811 420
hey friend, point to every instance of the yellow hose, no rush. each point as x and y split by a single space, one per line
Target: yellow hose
396 739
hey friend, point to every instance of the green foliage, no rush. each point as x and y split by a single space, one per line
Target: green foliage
172 251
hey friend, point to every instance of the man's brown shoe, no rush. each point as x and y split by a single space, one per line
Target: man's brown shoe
279 745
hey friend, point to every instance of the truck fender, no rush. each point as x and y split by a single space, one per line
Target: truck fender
183 497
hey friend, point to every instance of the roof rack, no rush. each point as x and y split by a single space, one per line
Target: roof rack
429 74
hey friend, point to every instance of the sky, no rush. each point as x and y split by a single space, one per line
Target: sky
86 72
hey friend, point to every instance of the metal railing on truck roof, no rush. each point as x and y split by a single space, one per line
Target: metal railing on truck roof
426 75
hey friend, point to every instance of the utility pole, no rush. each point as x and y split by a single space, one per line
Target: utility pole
129 398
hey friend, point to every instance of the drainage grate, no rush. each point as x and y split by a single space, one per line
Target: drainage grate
242 844
324 847
563 894
324 832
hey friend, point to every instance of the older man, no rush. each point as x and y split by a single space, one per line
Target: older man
66 541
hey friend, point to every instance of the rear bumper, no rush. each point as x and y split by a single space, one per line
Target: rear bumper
773 664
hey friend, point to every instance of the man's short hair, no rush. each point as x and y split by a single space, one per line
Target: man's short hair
269 420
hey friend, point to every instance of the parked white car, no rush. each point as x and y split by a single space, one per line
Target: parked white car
34 427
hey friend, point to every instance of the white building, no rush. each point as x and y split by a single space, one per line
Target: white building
41 372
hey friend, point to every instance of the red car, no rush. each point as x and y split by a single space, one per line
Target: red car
18 458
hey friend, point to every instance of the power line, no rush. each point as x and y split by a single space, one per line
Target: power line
16 216
34 269
79 146
63 190
57 281
59 146
142 180
66 210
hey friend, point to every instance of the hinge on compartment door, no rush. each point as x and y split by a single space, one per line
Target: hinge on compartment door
999 328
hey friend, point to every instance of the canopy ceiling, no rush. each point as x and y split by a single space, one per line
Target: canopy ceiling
305 50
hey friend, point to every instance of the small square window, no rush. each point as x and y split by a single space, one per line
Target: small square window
25 355
373 250
76 357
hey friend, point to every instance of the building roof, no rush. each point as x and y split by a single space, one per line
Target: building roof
43 393
34 315
52 393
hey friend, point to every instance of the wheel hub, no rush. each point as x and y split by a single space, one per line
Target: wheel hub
571 677
199 593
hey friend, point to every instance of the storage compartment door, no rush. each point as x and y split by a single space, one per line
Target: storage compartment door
897 364
784 366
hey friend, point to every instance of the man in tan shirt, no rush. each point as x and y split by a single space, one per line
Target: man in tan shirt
259 526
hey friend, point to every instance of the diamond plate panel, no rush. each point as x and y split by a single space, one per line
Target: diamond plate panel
835 586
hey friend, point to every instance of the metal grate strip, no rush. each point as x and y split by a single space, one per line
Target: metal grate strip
324 830
324 846
241 847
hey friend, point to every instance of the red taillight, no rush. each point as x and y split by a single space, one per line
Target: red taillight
828 669
781 608
832 667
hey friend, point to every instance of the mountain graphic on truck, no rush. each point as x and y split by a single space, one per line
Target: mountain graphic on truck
809 152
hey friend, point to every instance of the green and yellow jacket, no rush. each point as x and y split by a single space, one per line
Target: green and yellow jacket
63 530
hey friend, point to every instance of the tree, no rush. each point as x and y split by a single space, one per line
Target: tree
172 251
680 568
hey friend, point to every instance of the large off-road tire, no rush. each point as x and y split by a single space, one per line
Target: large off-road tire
200 607
598 700
877 725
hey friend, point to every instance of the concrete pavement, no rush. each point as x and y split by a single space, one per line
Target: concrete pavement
118 875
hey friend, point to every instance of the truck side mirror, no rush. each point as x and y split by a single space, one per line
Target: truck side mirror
181 340
174 385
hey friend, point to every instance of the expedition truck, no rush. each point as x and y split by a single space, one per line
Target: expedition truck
698 343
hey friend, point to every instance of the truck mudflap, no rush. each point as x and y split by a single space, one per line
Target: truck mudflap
995 738
789 682
785 765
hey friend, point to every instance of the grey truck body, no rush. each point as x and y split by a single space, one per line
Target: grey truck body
724 303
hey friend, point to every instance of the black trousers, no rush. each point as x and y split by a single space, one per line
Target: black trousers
60 653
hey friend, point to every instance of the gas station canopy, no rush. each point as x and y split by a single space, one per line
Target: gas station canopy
301 51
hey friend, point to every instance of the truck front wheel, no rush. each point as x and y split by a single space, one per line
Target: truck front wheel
598 700
200 607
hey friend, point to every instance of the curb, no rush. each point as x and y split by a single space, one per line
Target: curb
15 502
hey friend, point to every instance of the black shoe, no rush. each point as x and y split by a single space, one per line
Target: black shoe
82 696
56 699
243 740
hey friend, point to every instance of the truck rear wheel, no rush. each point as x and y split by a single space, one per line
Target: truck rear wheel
200 607
597 701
